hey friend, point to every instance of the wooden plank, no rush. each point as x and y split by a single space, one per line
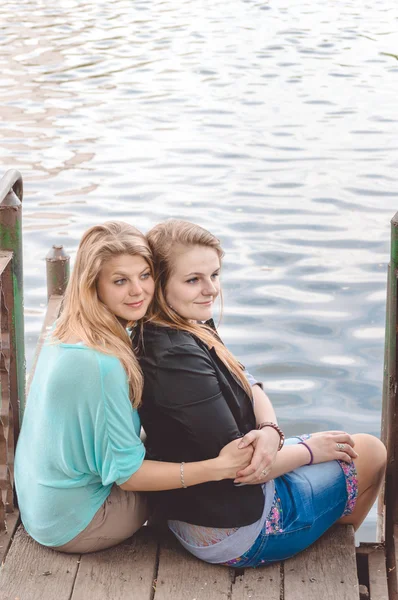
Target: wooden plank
53 309
181 576
32 572
329 564
258 584
391 499
124 572
381 508
363 592
377 575
392 562
7 535
368 547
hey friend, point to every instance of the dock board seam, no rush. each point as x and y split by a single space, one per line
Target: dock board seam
155 573
75 577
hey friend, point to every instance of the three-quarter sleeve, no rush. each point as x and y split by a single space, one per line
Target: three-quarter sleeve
119 452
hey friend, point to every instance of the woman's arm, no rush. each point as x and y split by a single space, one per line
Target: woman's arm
262 406
288 459
155 476
323 447
265 442
119 453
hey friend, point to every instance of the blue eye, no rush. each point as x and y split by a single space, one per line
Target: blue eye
146 275
120 281
193 280
215 275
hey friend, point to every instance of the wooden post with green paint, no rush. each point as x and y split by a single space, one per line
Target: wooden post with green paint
390 415
11 194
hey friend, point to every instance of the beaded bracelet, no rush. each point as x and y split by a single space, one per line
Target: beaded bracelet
277 429
310 451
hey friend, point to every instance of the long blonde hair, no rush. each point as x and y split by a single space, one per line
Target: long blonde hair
165 239
88 319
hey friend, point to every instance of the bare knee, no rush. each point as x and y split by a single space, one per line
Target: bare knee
371 447
372 455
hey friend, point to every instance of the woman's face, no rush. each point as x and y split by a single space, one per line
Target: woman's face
125 285
194 283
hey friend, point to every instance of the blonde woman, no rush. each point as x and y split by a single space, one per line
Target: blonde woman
80 462
197 398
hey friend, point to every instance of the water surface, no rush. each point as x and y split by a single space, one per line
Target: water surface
273 124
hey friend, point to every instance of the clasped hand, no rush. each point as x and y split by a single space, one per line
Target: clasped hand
254 455
265 443
325 446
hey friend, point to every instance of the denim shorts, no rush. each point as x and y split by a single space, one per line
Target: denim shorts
307 502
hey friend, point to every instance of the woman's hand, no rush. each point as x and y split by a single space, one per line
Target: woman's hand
265 443
233 457
324 446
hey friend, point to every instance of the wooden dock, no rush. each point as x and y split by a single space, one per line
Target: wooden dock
152 565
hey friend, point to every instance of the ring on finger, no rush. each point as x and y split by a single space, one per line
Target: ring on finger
340 447
264 472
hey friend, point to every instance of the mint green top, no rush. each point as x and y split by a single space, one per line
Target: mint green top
79 436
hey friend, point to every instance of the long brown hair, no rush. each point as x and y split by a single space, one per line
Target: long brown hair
88 319
165 239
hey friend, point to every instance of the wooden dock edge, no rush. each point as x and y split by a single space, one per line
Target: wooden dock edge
372 571
153 566
7 535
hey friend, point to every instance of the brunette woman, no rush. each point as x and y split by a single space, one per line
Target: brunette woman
197 398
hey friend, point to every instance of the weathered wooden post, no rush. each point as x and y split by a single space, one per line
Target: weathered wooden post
11 194
390 416
57 271
57 262
12 348
381 509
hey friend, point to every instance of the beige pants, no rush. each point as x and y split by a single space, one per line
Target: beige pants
121 515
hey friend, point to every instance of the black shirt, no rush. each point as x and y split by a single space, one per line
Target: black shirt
192 407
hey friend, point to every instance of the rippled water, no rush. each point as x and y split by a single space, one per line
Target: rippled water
273 124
